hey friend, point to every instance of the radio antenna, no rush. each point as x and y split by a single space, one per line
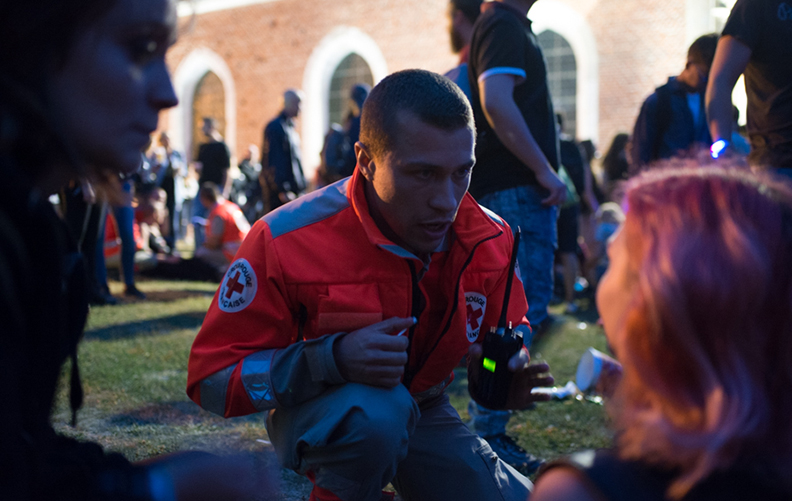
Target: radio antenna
509 280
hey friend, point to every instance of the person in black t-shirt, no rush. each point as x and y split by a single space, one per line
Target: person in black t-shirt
213 156
515 174
212 163
756 42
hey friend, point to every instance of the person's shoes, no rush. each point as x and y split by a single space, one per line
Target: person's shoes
571 308
514 455
103 299
541 329
132 291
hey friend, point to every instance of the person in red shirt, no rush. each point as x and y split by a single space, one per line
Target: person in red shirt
226 228
346 311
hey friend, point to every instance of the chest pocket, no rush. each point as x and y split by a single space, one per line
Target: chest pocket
348 307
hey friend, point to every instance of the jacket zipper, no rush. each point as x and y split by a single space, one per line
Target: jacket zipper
409 376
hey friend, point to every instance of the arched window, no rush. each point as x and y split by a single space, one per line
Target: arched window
561 77
350 71
208 101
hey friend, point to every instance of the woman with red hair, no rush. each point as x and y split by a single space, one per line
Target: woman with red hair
697 305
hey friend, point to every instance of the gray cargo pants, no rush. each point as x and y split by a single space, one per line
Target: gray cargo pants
357 438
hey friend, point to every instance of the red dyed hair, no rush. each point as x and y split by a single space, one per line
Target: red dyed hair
707 348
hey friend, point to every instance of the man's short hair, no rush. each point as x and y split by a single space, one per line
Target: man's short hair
702 51
209 191
436 100
212 122
470 8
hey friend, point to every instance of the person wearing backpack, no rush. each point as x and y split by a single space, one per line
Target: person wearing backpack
673 118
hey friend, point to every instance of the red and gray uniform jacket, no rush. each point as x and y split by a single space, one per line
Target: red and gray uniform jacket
318 268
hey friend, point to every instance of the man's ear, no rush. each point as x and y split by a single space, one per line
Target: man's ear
364 161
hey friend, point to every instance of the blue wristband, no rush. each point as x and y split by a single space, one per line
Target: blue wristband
718 148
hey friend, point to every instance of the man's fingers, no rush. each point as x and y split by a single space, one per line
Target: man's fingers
555 198
543 381
388 358
388 342
394 325
539 368
475 351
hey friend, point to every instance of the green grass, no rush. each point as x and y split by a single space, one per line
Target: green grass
133 363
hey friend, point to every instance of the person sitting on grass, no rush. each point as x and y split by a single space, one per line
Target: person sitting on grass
697 305
226 228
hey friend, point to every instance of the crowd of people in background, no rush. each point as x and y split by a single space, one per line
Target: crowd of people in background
704 396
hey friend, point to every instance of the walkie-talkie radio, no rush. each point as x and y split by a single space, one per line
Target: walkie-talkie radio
500 344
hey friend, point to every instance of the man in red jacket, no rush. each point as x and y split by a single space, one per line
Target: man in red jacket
346 311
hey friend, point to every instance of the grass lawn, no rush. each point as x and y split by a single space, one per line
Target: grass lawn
133 363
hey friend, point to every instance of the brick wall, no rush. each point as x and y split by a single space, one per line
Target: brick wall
267 46
640 44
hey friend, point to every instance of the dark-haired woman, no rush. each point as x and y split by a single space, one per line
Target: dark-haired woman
82 83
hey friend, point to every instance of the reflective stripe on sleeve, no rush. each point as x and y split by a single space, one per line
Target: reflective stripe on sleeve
213 391
256 379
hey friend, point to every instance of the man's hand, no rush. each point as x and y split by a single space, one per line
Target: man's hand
553 183
374 355
526 377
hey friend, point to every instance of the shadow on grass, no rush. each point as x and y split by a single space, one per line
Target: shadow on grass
175 413
168 296
152 326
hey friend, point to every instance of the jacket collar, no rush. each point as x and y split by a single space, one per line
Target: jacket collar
471 226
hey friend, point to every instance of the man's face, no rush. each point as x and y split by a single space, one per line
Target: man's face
291 105
207 128
414 191
455 17
697 75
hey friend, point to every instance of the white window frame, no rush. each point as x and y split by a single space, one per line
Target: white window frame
319 70
556 16
185 80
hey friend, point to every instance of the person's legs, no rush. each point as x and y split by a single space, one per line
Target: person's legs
125 220
567 251
200 212
214 257
522 207
446 461
350 439
170 203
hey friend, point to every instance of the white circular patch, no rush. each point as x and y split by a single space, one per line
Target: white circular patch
476 306
238 287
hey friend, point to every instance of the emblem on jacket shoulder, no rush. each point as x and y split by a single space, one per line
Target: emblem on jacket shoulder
238 287
476 306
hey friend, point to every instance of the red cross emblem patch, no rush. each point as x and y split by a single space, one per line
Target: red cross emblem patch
475 306
238 287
